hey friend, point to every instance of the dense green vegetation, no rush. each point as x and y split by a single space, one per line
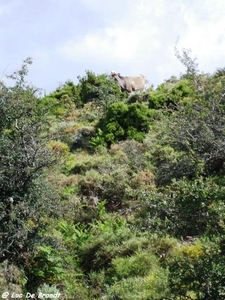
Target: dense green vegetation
110 196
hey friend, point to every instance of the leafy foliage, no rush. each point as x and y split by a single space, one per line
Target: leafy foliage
185 208
61 101
97 88
197 270
123 121
171 94
25 196
192 141
140 182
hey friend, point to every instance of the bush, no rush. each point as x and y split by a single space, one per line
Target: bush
185 208
189 142
197 270
124 121
112 187
139 264
62 101
138 97
97 88
152 286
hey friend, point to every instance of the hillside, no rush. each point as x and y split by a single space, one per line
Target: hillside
110 196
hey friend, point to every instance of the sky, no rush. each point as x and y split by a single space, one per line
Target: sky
65 38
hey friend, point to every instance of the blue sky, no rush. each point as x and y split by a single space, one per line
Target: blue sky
67 37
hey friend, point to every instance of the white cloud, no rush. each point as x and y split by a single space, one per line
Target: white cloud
147 26
129 36
205 33
124 42
115 44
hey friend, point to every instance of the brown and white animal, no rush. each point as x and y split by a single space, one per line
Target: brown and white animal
129 83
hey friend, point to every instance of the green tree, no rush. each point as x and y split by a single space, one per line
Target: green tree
25 195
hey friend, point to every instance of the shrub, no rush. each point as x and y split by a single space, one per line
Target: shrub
124 121
138 97
97 88
139 264
197 269
152 286
48 289
62 101
185 208
45 265
112 187
59 147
